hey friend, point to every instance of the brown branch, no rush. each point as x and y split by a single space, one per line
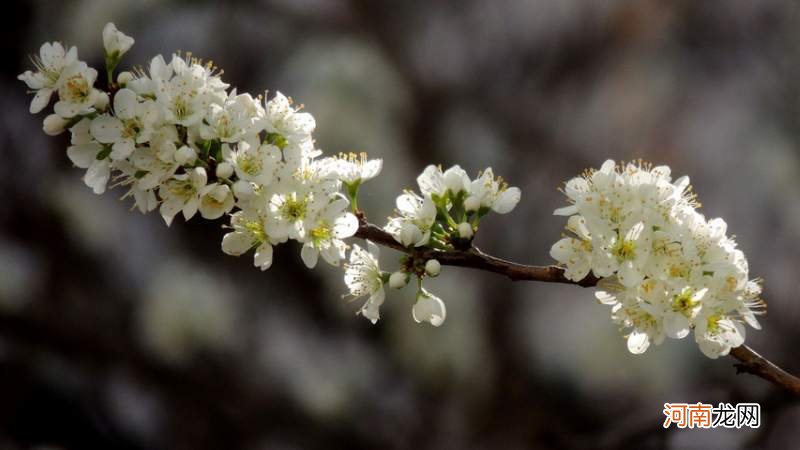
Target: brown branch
750 361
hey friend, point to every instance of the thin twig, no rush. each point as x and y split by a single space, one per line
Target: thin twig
750 361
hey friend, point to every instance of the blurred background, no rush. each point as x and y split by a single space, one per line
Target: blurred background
117 332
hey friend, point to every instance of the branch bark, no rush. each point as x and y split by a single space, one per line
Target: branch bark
750 361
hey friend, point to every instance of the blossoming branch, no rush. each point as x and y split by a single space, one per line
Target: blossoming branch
176 138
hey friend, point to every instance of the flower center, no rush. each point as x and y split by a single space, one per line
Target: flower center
75 90
624 250
293 209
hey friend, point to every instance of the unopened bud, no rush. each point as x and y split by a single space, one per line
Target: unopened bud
224 170
433 267
472 203
101 101
185 155
54 124
453 182
398 280
465 230
124 78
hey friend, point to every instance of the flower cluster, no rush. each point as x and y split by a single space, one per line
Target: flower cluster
447 213
665 270
178 139
444 217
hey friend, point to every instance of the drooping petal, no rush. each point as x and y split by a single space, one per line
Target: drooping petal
97 176
676 326
371 309
638 342
429 308
237 243
40 100
309 255
263 256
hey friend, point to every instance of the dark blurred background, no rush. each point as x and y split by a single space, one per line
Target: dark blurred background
117 332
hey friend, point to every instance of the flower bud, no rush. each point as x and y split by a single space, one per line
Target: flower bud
116 43
124 78
472 203
453 181
433 267
465 230
101 101
185 155
398 280
54 124
224 170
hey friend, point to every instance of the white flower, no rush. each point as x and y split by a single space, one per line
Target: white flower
429 308
716 333
354 169
182 193
363 277
89 154
76 92
256 163
187 96
50 63
494 193
115 42
682 308
131 124
215 200
238 117
574 252
665 270
288 211
327 224
417 215
288 124
249 232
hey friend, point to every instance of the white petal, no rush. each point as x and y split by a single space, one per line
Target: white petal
507 200
40 100
263 256
125 103
121 149
638 342
562 250
429 308
566 210
106 129
97 176
309 255
83 155
345 226
237 243
371 308
676 326
190 208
